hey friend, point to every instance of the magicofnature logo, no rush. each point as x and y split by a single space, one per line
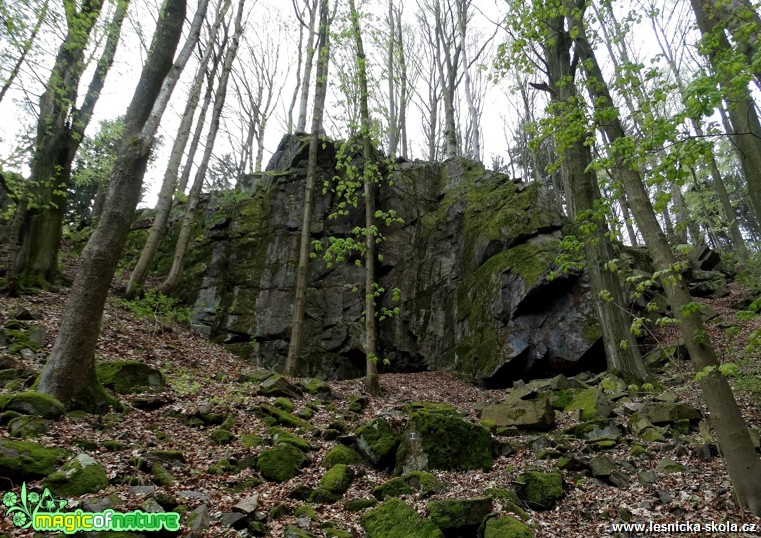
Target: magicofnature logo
43 512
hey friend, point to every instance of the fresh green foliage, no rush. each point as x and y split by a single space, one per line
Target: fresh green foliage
159 307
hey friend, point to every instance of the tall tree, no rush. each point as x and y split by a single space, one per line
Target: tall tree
40 219
311 8
69 374
293 359
16 21
731 431
169 183
183 238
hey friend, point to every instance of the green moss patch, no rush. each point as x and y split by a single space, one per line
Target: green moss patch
507 527
342 454
33 403
24 460
77 477
540 490
280 463
377 442
125 377
397 519
337 479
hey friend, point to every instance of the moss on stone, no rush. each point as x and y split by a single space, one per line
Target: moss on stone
436 441
221 436
128 376
341 454
357 505
377 442
25 426
251 440
509 500
77 477
33 403
396 519
24 460
396 487
337 479
540 490
592 404
280 463
284 403
458 513
161 476
279 435
507 527
284 418
425 483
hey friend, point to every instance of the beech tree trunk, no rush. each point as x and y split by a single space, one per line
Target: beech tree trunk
306 80
183 239
169 184
293 361
740 456
69 374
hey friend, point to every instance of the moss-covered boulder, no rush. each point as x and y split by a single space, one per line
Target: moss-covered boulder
278 385
507 527
396 487
605 469
33 403
280 435
77 477
220 436
280 463
24 460
125 377
437 441
425 483
461 517
342 454
591 404
271 414
523 414
377 442
540 490
317 387
337 479
396 519
26 426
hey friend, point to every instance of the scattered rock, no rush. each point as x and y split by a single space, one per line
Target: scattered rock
591 404
125 377
438 441
605 469
280 463
26 461
284 436
27 426
221 436
317 388
341 454
337 479
396 519
247 505
78 476
667 465
198 521
507 527
377 442
278 385
33 403
540 490
660 413
525 414
235 520
396 487
461 517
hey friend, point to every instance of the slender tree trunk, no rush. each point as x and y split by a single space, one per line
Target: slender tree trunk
582 191
299 61
301 123
746 127
372 381
474 143
742 462
628 221
183 239
169 184
69 374
393 125
293 360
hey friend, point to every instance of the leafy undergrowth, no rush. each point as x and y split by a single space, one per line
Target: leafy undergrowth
200 373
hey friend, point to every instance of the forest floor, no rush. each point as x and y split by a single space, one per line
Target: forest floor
199 372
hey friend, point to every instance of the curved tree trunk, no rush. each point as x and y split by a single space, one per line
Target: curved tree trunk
69 374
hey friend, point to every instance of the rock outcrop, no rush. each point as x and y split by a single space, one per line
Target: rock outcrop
471 262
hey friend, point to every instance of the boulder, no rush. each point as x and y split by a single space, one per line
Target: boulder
524 414
25 461
280 463
507 527
77 477
33 403
394 518
607 470
278 385
27 426
660 413
591 404
125 377
438 441
337 479
341 454
461 517
540 490
377 442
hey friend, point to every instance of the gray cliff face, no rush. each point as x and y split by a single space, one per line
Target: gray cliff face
471 261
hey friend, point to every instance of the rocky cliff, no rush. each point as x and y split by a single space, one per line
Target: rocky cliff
470 260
